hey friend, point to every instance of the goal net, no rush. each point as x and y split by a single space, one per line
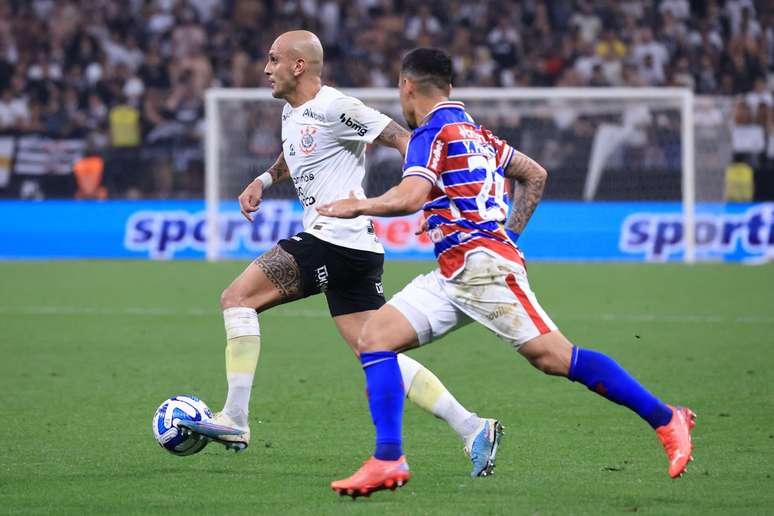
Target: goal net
616 147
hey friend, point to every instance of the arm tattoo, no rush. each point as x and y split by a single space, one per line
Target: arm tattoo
528 189
283 272
394 136
279 170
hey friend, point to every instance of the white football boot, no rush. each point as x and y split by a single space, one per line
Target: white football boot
224 429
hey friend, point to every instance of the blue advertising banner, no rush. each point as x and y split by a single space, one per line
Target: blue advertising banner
574 231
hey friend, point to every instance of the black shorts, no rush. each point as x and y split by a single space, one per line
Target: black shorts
351 279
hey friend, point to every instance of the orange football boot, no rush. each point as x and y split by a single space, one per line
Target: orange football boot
374 475
676 438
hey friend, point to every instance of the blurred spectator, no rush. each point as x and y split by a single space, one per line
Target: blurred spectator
739 13
14 113
504 43
651 56
609 45
422 23
759 101
587 22
679 9
123 171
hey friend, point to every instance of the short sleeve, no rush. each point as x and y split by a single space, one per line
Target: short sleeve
504 152
351 120
425 155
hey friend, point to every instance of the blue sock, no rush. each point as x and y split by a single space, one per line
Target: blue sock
603 375
385 399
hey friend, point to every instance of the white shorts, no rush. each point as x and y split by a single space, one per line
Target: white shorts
490 290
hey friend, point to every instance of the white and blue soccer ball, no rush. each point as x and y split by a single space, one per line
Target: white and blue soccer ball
166 424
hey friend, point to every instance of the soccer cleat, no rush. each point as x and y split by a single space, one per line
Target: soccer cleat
482 448
374 475
676 438
222 429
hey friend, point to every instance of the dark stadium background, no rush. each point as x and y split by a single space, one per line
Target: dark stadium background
124 80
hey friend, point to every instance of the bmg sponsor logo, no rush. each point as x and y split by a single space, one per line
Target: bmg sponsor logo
660 236
165 234
356 126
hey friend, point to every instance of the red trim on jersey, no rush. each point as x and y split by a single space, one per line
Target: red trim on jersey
538 321
505 159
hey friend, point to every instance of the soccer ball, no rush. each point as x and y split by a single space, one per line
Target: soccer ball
168 416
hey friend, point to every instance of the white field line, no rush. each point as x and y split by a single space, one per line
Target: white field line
141 311
86 311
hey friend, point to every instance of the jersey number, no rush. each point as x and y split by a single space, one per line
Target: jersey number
489 166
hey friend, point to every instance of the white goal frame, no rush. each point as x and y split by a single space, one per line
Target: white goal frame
682 96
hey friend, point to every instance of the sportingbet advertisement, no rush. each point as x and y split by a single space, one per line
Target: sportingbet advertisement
567 231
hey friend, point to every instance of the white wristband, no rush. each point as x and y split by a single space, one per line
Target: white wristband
266 179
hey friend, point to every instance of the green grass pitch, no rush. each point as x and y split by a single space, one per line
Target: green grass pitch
88 350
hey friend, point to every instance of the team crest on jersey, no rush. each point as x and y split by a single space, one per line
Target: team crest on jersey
435 234
308 145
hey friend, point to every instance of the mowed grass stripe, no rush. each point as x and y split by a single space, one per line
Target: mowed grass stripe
130 311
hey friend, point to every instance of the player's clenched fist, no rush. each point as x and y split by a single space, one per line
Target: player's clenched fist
250 199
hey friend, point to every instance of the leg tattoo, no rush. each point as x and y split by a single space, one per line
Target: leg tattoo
282 270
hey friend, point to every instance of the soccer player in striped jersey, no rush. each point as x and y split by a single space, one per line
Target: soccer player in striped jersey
456 170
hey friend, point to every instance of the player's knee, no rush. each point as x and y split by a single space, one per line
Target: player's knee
545 363
230 298
550 353
548 360
367 342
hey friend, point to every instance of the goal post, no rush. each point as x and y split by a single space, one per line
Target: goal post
614 144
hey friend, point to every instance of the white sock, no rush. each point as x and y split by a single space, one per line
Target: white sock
426 390
464 422
408 370
237 404
243 346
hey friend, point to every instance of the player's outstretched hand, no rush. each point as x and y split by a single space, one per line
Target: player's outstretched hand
250 199
348 208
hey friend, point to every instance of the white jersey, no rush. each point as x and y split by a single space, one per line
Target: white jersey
324 142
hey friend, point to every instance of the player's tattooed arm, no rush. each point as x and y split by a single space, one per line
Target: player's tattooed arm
283 272
251 196
394 136
279 170
530 180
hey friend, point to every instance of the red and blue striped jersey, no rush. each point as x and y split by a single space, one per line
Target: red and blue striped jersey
468 204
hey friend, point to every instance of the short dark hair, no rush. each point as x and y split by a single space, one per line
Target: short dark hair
430 66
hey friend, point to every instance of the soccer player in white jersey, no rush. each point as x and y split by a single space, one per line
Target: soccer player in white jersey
324 137
455 170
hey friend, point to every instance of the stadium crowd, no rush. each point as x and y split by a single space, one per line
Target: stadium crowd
128 76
